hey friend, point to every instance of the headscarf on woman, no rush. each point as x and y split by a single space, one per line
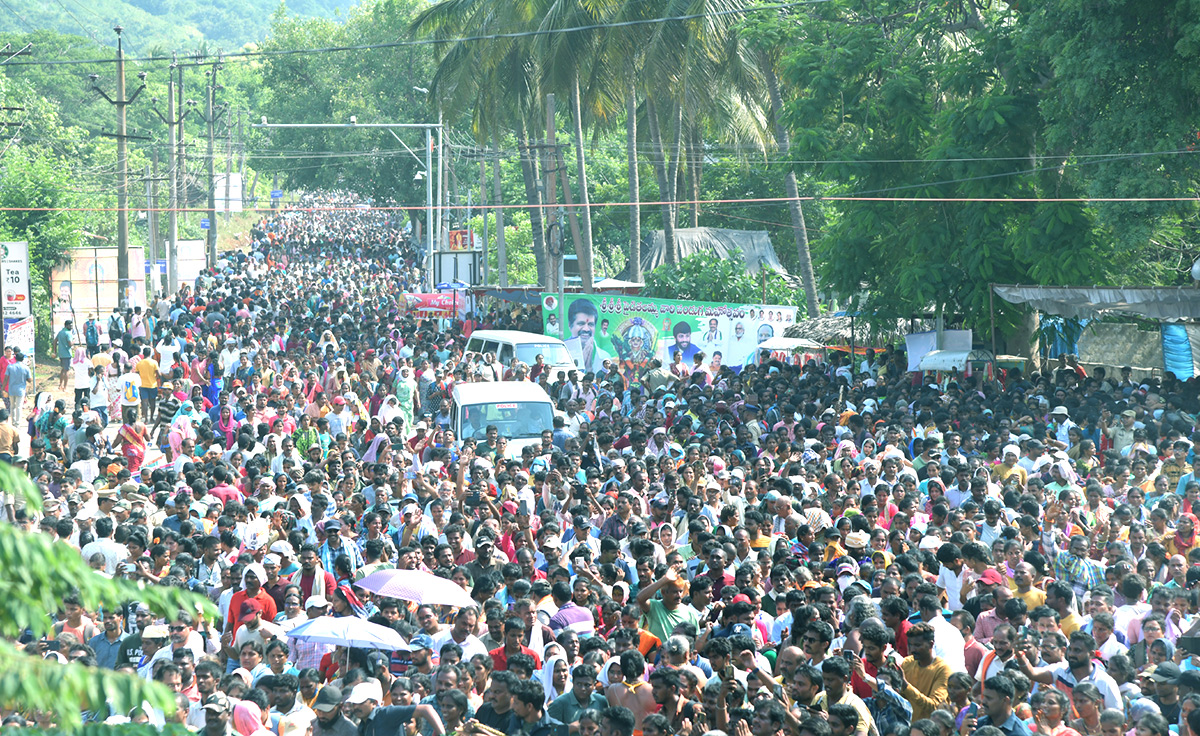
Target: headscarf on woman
1186 542
547 677
186 409
247 719
372 453
346 594
390 410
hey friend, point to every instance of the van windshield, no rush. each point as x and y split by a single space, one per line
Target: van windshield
554 353
516 420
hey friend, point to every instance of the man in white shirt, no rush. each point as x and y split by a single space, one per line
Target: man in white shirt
460 633
948 642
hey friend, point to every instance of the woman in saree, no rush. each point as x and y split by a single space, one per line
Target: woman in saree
305 435
377 399
183 427
407 395
227 428
131 441
207 373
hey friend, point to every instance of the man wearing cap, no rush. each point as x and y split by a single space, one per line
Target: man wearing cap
307 654
335 545
330 721
218 715
485 562
253 627
341 418
375 719
416 657
1122 434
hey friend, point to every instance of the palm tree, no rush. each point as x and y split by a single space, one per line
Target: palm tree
497 81
766 41
699 74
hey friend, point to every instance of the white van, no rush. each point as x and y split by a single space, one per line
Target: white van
524 346
519 410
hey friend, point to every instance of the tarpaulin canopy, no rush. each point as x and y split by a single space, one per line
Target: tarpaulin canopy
754 245
1163 303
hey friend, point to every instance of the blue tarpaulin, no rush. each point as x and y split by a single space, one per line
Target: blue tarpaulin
1177 351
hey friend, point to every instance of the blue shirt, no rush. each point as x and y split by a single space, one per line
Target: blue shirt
1012 727
18 377
106 651
329 554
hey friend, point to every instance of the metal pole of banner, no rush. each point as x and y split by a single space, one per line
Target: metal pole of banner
852 349
430 225
992 320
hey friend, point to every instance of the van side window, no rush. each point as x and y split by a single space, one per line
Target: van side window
475 345
506 354
490 346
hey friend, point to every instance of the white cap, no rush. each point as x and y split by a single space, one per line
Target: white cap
316 601
364 691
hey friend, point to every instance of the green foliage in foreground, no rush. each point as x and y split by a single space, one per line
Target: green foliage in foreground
35 574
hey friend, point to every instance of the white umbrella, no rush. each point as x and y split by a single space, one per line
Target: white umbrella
348 631
416 586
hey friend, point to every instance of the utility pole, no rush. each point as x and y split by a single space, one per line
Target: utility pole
483 209
441 212
181 163
121 102
174 165
569 198
229 160
501 252
152 222
212 111
553 246
430 225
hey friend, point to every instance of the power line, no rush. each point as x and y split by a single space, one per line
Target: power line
442 41
599 205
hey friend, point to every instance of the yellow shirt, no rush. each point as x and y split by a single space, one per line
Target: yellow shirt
1033 598
1070 624
147 368
926 685
1001 473
866 724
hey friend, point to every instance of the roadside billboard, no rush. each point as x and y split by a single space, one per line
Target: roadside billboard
632 330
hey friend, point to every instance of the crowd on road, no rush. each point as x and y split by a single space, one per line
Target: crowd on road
835 548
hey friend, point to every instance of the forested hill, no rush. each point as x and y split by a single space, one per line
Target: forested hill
157 25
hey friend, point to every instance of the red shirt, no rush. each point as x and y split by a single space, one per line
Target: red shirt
227 493
902 638
306 585
235 608
500 659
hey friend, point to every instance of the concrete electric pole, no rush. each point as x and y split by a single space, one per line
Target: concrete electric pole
121 102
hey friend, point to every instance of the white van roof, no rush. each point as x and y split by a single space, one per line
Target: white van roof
513 336
491 392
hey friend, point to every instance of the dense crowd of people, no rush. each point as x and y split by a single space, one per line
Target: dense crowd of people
842 547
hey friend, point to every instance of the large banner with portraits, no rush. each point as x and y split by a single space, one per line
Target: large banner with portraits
632 330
